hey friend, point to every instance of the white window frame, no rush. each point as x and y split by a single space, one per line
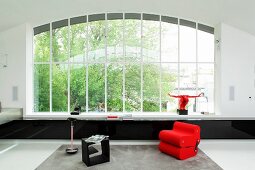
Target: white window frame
87 63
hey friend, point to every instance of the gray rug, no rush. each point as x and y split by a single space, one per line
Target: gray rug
129 157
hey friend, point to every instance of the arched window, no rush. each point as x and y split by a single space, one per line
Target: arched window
122 62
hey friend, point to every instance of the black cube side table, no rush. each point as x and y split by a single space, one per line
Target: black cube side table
88 150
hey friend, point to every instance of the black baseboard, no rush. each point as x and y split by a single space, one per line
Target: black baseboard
122 130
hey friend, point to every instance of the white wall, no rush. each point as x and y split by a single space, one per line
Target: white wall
202 11
217 70
237 69
13 43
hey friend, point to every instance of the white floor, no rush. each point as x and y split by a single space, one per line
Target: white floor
28 154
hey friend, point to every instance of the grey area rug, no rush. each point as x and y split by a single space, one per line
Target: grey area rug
129 157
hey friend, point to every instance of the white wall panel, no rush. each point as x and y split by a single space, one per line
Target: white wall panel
13 43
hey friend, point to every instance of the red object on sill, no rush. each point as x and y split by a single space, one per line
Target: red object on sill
181 142
112 117
184 99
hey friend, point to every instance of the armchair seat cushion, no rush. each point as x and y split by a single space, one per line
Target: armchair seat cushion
177 138
177 152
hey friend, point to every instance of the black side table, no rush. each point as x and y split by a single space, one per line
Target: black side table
88 150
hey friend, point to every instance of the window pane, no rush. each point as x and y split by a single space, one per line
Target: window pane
169 84
96 38
41 88
205 47
59 87
133 88
188 83
206 85
151 85
78 86
169 42
151 41
96 85
132 40
187 44
60 44
114 88
42 47
188 78
115 40
77 42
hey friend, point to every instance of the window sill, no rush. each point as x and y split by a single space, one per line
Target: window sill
136 116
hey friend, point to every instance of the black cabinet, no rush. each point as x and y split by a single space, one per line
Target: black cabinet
88 149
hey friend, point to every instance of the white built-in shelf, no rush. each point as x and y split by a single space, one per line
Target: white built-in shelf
10 114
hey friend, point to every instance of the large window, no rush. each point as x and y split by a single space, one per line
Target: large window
122 62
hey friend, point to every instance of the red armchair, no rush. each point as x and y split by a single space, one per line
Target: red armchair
181 142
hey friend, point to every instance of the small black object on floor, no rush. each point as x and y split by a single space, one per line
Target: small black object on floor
71 150
88 150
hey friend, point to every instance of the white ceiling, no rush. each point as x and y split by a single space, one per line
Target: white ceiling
238 13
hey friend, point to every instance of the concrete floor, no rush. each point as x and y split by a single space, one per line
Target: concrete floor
28 154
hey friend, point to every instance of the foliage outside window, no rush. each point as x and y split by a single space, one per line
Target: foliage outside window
122 63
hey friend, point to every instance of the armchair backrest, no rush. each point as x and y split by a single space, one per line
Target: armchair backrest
187 128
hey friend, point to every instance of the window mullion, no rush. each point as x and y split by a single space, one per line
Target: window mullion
51 53
105 76
33 75
178 56
87 66
124 68
141 62
196 66
160 69
196 59
69 67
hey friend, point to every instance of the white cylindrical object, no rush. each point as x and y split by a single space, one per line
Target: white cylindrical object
168 106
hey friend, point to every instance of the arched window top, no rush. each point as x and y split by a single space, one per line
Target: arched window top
116 16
